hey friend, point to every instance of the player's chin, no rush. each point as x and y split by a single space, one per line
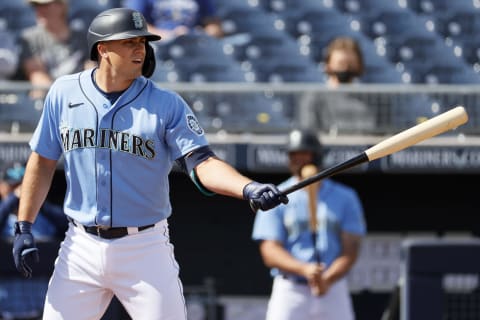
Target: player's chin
137 69
136 72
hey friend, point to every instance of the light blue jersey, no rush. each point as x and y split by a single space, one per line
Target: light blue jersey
123 151
339 209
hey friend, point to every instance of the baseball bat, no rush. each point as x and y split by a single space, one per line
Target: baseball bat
312 192
308 171
434 126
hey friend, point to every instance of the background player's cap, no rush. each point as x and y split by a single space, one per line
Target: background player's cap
12 172
305 140
117 24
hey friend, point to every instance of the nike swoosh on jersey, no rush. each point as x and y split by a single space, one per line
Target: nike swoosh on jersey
73 105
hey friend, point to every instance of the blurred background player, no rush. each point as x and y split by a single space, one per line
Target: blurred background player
172 18
286 245
51 221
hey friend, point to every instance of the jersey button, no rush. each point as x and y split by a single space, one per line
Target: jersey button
103 183
105 106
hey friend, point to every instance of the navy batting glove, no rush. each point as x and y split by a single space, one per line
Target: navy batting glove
24 250
263 196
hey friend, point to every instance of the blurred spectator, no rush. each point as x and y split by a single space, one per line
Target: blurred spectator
51 221
338 110
172 18
343 62
8 55
51 48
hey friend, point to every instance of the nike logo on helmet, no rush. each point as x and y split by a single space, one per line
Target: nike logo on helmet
73 105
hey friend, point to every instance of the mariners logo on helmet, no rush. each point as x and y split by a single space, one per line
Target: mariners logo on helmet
194 125
137 20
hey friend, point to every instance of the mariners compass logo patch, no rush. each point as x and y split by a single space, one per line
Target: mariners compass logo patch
137 20
194 125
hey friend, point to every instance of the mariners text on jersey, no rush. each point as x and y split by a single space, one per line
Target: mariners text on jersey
107 138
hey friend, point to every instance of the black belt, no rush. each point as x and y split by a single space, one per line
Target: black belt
294 279
110 233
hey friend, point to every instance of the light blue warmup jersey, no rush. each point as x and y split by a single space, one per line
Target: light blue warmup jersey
339 209
124 152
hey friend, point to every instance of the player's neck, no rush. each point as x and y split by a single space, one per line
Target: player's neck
109 82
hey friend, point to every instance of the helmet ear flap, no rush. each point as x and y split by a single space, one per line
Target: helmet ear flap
150 62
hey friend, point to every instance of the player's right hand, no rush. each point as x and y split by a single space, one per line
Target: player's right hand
263 196
24 249
313 273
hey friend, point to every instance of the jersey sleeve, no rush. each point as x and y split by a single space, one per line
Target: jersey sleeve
183 131
353 218
45 139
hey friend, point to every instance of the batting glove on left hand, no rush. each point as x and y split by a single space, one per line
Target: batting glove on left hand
263 196
24 250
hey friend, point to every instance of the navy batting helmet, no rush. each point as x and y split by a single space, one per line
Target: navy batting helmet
119 24
305 140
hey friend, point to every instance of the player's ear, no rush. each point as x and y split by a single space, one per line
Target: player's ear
101 50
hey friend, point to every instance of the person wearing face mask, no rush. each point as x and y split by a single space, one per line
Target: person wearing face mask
343 62
337 111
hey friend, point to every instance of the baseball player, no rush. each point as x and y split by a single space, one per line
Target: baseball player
119 135
309 274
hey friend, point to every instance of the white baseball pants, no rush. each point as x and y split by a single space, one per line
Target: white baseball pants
140 269
293 301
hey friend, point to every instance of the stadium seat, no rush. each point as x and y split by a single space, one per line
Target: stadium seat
211 71
245 19
99 5
381 73
263 44
19 113
362 6
450 74
193 44
16 16
459 23
225 5
377 68
278 69
165 72
285 6
305 21
198 57
82 17
415 54
433 7
81 13
391 23
470 49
